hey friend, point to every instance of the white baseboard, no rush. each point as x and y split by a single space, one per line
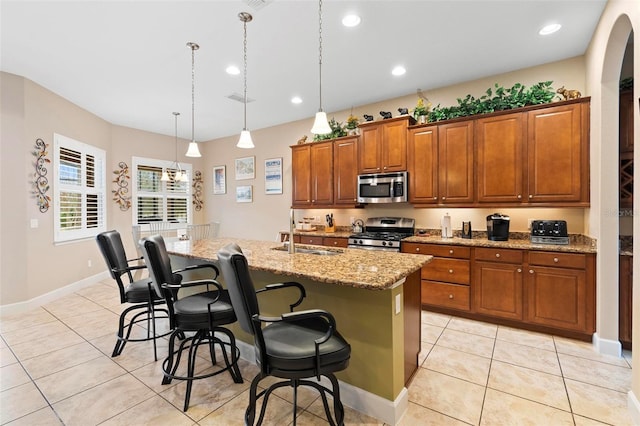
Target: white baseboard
368 403
634 407
606 346
15 308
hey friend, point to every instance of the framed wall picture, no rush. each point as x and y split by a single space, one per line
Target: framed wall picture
219 179
273 176
245 168
244 194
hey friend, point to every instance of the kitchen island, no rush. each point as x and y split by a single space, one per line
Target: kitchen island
374 296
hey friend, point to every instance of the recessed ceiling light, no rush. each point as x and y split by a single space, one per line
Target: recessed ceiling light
549 29
233 70
296 100
351 20
398 70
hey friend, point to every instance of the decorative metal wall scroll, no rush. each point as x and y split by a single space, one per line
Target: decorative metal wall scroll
41 183
122 182
197 190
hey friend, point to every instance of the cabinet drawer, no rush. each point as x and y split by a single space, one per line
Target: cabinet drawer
446 270
310 240
437 250
445 295
335 242
563 260
498 255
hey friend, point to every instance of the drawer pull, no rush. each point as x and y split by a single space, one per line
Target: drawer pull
444 198
519 270
450 251
531 271
556 260
530 196
451 296
451 271
417 248
335 243
497 254
435 198
519 196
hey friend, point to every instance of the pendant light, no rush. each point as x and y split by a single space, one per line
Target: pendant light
320 125
179 174
193 150
245 137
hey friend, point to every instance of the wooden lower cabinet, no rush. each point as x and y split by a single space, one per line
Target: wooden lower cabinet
539 290
497 283
335 242
625 296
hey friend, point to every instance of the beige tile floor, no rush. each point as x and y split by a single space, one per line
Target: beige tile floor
56 368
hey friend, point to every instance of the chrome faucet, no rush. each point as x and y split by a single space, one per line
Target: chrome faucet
292 227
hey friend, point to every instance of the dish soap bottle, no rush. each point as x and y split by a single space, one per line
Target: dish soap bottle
447 232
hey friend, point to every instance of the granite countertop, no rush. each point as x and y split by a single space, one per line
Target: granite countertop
372 270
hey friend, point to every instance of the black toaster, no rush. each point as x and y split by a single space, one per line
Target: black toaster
549 232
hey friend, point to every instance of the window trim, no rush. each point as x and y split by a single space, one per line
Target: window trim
99 189
164 164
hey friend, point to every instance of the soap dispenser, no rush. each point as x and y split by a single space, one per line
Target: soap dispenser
447 232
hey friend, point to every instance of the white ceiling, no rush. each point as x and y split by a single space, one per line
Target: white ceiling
127 61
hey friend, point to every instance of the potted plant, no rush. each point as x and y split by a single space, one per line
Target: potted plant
352 125
421 111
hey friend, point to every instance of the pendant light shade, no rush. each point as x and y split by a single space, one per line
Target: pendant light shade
193 150
165 176
245 137
179 174
320 125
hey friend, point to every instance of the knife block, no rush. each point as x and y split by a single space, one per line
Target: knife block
330 228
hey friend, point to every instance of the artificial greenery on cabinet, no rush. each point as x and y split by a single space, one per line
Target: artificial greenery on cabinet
495 99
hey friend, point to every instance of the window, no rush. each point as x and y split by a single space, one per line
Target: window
155 200
79 192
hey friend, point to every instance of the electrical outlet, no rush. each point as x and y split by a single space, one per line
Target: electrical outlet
529 221
89 263
398 303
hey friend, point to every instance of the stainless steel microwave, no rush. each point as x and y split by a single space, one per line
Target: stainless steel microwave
382 188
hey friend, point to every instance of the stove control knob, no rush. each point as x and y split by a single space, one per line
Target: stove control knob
390 243
384 243
360 242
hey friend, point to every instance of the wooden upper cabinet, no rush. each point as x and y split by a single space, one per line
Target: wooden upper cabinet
455 162
500 168
345 170
383 145
312 174
422 165
557 153
301 175
626 121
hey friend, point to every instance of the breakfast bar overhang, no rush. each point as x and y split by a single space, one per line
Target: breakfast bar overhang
374 296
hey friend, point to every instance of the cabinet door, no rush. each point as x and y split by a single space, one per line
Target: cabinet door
335 242
455 162
345 171
625 299
445 295
301 175
322 173
369 151
626 121
499 149
557 155
394 146
422 165
498 289
557 297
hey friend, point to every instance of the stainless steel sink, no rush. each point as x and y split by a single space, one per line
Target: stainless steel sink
310 250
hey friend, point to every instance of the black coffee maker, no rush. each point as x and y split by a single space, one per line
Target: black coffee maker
498 227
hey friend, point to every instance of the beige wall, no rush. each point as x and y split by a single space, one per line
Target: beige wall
263 218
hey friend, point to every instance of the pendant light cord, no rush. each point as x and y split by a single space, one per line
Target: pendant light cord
176 114
194 47
245 72
320 48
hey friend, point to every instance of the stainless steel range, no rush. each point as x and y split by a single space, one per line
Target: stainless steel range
383 233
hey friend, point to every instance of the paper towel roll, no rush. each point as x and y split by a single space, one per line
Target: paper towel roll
447 232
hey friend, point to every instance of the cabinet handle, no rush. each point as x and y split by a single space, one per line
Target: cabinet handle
519 270
435 198
556 260
519 196
451 271
444 198
451 296
335 243
385 167
450 251
531 271
497 254
530 196
417 248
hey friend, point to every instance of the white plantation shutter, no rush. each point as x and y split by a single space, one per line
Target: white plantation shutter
155 200
79 190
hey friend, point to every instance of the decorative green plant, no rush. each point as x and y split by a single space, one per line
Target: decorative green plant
352 122
496 99
337 131
421 108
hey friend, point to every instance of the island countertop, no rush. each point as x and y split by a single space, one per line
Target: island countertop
373 270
